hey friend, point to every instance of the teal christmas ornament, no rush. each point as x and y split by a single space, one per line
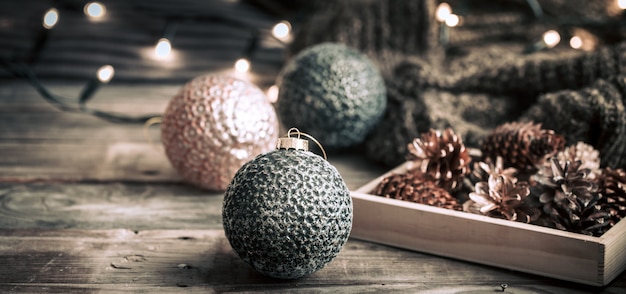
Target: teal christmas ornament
334 92
288 212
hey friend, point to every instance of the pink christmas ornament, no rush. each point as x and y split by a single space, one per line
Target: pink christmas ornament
215 125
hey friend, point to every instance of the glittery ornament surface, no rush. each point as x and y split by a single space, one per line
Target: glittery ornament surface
287 213
334 93
215 125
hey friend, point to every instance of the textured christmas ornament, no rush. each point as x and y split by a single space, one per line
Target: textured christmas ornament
215 125
288 212
334 92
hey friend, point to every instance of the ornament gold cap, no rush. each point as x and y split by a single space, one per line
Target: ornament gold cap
297 143
292 143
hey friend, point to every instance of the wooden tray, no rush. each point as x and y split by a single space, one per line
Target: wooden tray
471 237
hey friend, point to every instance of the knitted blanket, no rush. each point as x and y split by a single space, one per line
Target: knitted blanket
482 74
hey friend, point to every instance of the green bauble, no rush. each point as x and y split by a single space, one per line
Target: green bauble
333 92
287 213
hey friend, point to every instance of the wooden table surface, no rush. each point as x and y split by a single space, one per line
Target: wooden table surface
88 205
92 206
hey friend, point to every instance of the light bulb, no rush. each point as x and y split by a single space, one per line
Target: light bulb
105 73
452 20
551 38
272 93
163 48
95 10
621 4
576 42
51 18
282 29
242 65
443 11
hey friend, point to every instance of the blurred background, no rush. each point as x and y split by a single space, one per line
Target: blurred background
467 65
204 36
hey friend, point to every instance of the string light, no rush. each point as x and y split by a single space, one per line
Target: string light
281 30
95 10
272 93
163 48
104 75
51 18
583 40
447 19
242 65
443 11
551 38
576 42
452 20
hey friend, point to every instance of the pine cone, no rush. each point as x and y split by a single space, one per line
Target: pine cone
441 156
502 197
579 216
416 188
483 169
589 156
568 194
524 146
612 191
566 180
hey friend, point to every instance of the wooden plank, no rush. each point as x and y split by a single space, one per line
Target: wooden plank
202 260
59 161
133 206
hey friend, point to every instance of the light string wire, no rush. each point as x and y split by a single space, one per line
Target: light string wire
23 69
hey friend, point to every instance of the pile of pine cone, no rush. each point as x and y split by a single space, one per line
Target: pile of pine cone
521 173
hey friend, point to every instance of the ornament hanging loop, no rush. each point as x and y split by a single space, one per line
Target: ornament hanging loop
297 132
297 143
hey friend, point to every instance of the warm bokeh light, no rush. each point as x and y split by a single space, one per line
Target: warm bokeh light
621 4
272 93
282 29
95 10
242 65
452 20
583 40
51 18
576 42
105 73
551 38
163 48
443 11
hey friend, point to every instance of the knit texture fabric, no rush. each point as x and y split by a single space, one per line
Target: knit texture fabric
483 75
